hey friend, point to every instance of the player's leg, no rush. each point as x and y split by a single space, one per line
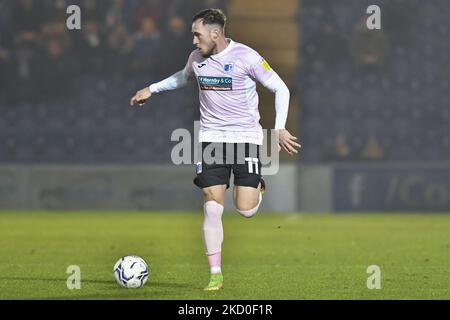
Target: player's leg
215 193
213 180
213 233
247 200
248 184
212 225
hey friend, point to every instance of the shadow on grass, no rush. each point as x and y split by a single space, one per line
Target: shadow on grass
112 291
112 282
56 280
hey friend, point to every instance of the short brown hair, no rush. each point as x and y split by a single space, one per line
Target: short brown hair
211 16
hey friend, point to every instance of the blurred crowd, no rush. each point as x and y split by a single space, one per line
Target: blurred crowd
374 94
40 57
365 94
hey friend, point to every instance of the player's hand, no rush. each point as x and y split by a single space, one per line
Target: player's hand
288 142
140 97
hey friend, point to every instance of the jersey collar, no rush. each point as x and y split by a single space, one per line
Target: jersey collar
226 50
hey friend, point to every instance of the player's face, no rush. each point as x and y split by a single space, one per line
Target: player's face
202 38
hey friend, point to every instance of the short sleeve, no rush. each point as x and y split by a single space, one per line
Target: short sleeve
260 69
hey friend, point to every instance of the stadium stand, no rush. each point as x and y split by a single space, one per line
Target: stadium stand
392 83
64 95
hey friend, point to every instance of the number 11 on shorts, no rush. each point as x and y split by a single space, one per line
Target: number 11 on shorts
252 162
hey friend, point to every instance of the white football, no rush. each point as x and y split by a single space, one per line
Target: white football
131 272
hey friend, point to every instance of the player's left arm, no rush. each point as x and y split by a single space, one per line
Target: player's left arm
261 71
287 141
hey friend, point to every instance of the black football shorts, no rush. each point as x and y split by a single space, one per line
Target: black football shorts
220 159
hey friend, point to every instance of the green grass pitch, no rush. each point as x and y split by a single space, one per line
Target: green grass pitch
271 256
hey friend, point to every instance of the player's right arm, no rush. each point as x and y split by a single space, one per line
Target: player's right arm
175 81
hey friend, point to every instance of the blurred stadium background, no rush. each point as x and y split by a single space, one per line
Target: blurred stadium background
371 107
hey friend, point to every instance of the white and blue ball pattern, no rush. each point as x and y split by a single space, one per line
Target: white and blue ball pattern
131 272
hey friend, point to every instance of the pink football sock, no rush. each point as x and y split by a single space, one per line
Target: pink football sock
212 227
215 260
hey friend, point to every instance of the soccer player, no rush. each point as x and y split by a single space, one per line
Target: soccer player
226 72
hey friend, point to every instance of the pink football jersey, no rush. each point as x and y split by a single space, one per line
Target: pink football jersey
227 92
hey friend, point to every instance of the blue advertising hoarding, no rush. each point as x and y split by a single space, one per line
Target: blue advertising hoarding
391 188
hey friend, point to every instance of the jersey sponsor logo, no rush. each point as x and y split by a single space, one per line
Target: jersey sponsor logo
228 67
215 83
265 65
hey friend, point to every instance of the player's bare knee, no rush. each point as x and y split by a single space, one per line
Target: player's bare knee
213 195
246 205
